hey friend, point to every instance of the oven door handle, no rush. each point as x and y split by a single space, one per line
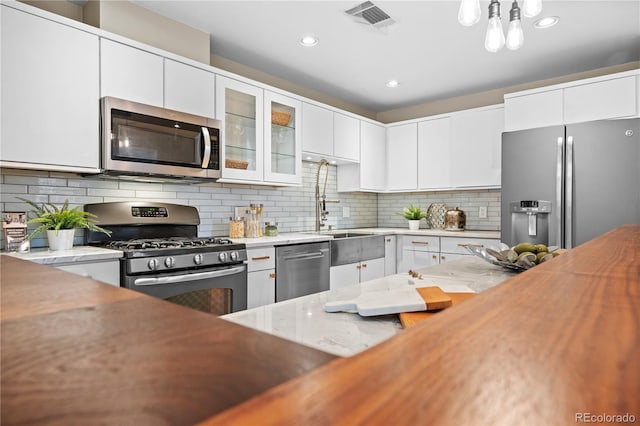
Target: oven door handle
172 279
206 157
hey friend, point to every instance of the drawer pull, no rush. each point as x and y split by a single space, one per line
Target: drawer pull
272 275
420 242
470 245
261 258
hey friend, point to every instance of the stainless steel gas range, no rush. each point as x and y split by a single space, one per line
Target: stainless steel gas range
163 257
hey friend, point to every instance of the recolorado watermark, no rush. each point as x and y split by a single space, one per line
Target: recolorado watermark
605 418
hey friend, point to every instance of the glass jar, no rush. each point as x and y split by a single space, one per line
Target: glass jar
257 209
270 230
251 224
236 227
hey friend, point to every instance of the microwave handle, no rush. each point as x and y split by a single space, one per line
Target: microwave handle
207 148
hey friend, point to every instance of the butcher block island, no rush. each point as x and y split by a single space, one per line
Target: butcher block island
557 344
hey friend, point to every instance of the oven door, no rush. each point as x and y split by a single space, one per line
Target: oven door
217 290
143 139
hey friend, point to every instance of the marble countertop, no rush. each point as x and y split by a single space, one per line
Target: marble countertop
76 254
303 320
311 236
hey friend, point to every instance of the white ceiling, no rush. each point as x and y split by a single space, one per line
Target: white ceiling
426 50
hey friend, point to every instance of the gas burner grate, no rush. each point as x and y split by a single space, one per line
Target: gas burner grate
141 244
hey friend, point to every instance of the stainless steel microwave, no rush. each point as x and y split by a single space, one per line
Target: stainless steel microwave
140 139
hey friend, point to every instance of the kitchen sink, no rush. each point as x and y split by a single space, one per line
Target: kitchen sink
352 247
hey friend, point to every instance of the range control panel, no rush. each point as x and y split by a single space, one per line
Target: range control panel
149 212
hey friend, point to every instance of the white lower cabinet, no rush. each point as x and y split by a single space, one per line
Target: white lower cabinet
390 254
452 248
107 271
354 273
416 251
261 277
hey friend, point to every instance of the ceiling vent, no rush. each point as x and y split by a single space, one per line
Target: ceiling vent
369 14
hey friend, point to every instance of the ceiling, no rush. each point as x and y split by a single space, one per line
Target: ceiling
426 49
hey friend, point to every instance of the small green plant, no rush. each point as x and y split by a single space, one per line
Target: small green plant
413 213
52 218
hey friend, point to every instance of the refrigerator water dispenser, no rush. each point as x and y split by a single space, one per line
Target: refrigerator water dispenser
530 221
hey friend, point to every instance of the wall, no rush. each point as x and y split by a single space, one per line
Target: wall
468 201
292 207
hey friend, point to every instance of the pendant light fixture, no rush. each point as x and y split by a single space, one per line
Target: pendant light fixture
494 41
469 12
515 37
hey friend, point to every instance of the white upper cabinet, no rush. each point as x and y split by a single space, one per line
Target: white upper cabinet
50 92
317 130
372 157
599 98
346 137
402 164
242 150
282 144
475 147
131 74
533 110
189 89
434 153
614 98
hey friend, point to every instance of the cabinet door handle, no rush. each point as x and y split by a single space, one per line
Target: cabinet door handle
358 267
272 275
364 265
443 257
470 245
434 257
420 242
388 240
261 258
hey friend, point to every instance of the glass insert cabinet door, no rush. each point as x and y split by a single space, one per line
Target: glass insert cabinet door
283 146
242 133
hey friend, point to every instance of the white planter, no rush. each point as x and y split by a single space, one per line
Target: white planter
414 225
62 240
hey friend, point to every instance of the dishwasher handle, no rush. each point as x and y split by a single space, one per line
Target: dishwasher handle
306 256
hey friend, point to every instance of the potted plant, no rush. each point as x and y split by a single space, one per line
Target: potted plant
60 223
414 215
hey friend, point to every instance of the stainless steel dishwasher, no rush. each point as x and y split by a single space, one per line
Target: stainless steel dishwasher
302 269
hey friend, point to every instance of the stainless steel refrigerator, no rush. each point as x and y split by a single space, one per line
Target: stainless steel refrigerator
565 185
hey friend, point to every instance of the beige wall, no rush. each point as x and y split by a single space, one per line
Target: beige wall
62 8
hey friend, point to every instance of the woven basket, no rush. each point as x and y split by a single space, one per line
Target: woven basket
280 118
236 164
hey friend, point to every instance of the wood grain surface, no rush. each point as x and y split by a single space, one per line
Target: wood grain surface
554 343
75 351
409 319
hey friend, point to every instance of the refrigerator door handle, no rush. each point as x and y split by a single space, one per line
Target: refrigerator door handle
569 195
558 207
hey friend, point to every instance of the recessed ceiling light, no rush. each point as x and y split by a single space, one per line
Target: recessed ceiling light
546 22
392 83
308 41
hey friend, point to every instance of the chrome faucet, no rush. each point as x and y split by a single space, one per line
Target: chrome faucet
321 200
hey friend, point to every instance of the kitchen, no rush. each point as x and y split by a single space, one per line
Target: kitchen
216 201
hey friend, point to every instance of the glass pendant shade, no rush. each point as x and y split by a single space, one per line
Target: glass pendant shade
515 36
469 12
531 8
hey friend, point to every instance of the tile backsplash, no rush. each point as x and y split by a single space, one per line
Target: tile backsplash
293 208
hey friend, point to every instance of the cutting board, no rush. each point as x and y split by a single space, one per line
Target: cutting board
409 319
392 301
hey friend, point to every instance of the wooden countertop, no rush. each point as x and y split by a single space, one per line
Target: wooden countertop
75 351
559 341
555 344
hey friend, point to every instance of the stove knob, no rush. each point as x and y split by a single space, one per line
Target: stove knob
170 262
152 264
223 257
234 255
198 259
